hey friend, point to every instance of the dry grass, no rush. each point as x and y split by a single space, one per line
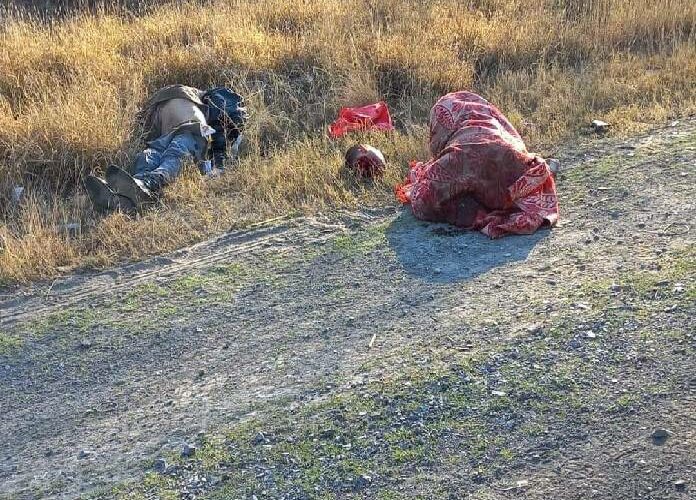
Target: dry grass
70 87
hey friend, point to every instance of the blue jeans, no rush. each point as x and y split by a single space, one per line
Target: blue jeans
161 162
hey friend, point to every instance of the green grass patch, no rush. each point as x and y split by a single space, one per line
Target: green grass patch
360 243
9 343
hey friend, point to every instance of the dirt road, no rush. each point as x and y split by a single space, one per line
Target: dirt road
374 356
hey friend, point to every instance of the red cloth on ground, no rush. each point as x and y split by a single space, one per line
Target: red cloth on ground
481 175
372 116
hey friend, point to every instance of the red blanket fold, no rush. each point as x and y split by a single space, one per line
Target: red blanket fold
373 116
481 175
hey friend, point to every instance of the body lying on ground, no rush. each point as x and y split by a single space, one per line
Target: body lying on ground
481 175
181 123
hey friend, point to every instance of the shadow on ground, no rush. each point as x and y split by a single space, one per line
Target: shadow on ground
441 253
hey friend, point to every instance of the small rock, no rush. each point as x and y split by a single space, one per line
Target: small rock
201 373
160 466
599 126
17 193
498 393
659 436
85 344
554 165
437 270
188 451
522 483
361 482
590 335
258 439
674 123
327 434
84 454
680 485
72 229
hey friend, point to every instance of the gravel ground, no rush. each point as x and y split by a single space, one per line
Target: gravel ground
371 355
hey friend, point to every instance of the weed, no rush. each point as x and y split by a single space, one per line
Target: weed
67 109
9 343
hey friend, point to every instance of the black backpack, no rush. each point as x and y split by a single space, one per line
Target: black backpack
225 110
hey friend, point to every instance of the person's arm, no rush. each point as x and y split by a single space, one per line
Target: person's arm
218 149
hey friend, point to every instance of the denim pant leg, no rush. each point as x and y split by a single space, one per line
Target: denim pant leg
146 161
180 148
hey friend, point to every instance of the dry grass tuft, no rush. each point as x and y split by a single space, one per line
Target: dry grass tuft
70 87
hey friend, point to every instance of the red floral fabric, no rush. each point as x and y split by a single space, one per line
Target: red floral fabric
373 116
481 175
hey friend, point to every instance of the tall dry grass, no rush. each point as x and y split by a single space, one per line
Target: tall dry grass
71 83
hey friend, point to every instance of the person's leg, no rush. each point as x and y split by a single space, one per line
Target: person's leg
146 161
181 148
156 167
136 187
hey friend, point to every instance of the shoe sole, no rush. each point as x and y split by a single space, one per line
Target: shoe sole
104 199
124 184
99 194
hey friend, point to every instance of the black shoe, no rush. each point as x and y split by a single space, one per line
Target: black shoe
103 198
125 185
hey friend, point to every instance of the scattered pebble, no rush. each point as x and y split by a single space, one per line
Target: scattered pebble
84 454
17 193
160 465
85 344
599 126
680 484
590 334
188 451
498 393
72 229
258 439
659 436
